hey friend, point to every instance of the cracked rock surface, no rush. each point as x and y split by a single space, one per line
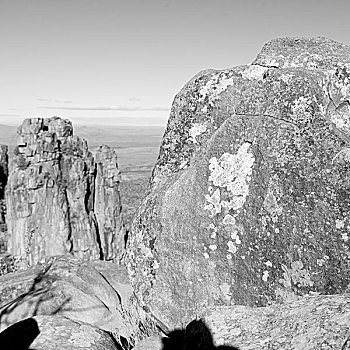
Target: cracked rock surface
249 202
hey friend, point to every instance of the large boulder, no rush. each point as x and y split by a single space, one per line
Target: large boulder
58 197
249 201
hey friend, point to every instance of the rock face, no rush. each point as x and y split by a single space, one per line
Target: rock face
250 197
51 191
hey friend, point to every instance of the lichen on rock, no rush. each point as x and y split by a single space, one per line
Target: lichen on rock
260 199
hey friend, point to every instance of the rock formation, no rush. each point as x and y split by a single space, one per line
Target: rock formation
250 197
107 204
51 194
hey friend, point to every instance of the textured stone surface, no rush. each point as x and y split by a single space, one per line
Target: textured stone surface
72 288
310 323
249 199
51 192
57 332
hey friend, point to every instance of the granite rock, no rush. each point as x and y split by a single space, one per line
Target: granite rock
249 201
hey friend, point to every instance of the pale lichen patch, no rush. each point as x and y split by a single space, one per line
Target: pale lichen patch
233 173
265 276
230 176
214 205
196 130
217 84
339 224
268 263
155 264
344 236
235 236
213 247
254 72
231 247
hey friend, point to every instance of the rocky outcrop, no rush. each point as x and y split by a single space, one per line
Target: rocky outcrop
53 189
249 199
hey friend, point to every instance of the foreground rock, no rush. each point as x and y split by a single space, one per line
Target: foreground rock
69 287
310 323
250 197
55 332
62 333
59 195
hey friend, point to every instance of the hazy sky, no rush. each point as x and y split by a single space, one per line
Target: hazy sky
123 61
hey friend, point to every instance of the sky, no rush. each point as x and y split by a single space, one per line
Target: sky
121 62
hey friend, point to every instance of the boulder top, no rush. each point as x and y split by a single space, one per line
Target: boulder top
318 52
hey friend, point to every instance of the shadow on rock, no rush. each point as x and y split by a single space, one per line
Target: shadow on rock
20 335
196 336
